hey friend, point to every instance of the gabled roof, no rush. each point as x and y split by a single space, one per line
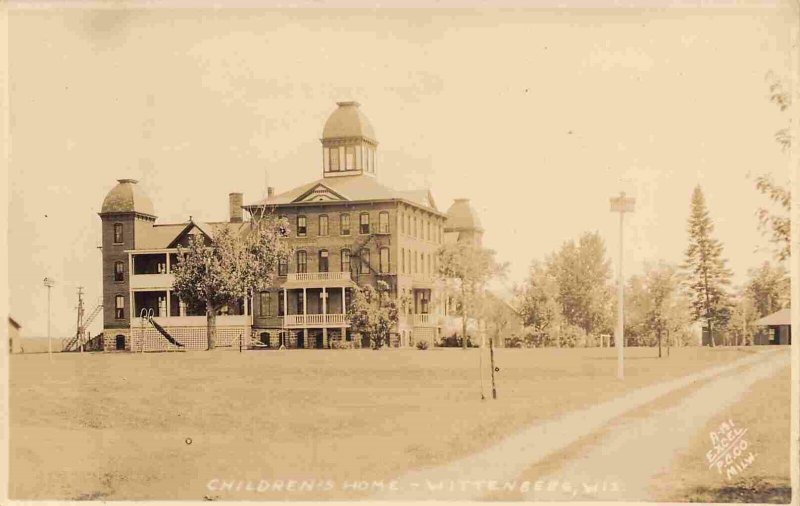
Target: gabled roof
167 236
347 188
782 317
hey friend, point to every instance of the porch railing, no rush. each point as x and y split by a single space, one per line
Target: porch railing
318 276
297 320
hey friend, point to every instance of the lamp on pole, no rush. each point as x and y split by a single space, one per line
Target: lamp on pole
621 205
49 284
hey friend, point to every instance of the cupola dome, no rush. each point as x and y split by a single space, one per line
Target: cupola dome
127 197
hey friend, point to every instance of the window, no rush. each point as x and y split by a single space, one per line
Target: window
364 261
119 271
408 224
345 260
301 226
385 267
428 230
302 262
402 224
119 342
363 221
383 222
117 233
350 158
281 308
282 227
283 267
414 225
300 303
264 301
402 260
119 307
344 224
334 159
323 260
323 224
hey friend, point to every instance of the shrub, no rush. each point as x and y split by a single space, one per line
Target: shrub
422 345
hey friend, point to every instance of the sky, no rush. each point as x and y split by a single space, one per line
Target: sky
537 116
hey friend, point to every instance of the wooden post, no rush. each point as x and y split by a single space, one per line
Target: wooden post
491 359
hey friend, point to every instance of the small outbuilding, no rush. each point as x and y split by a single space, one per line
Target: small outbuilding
780 328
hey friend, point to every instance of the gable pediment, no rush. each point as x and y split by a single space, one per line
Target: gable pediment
191 230
320 193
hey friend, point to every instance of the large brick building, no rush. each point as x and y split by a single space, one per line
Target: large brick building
347 229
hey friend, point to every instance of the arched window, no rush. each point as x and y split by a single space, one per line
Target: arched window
345 260
364 261
363 223
323 224
117 233
119 271
119 307
384 259
283 267
344 224
383 222
323 260
302 262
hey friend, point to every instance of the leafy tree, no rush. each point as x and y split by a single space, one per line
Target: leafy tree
657 309
742 325
471 266
706 275
214 272
769 289
777 222
373 312
583 272
539 306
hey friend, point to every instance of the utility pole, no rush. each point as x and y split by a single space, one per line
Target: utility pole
49 284
621 205
79 330
491 357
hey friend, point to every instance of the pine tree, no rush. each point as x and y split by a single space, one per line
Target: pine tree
706 275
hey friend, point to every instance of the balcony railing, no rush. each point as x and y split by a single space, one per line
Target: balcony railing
318 276
139 281
299 320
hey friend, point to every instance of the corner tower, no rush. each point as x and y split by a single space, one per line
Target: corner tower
348 143
125 210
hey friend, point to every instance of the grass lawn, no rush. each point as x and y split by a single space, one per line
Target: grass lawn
764 412
115 426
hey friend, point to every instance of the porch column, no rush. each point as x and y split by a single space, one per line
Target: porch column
285 306
169 267
169 301
344 308
305 305
324 297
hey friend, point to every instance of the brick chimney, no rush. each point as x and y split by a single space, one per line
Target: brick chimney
235 204
270 191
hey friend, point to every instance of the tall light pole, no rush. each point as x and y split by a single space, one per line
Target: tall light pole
621 205
49 284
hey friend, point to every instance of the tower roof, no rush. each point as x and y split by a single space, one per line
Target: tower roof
461 216
348 121
127 197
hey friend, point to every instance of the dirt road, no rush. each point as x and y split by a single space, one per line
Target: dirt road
645 445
